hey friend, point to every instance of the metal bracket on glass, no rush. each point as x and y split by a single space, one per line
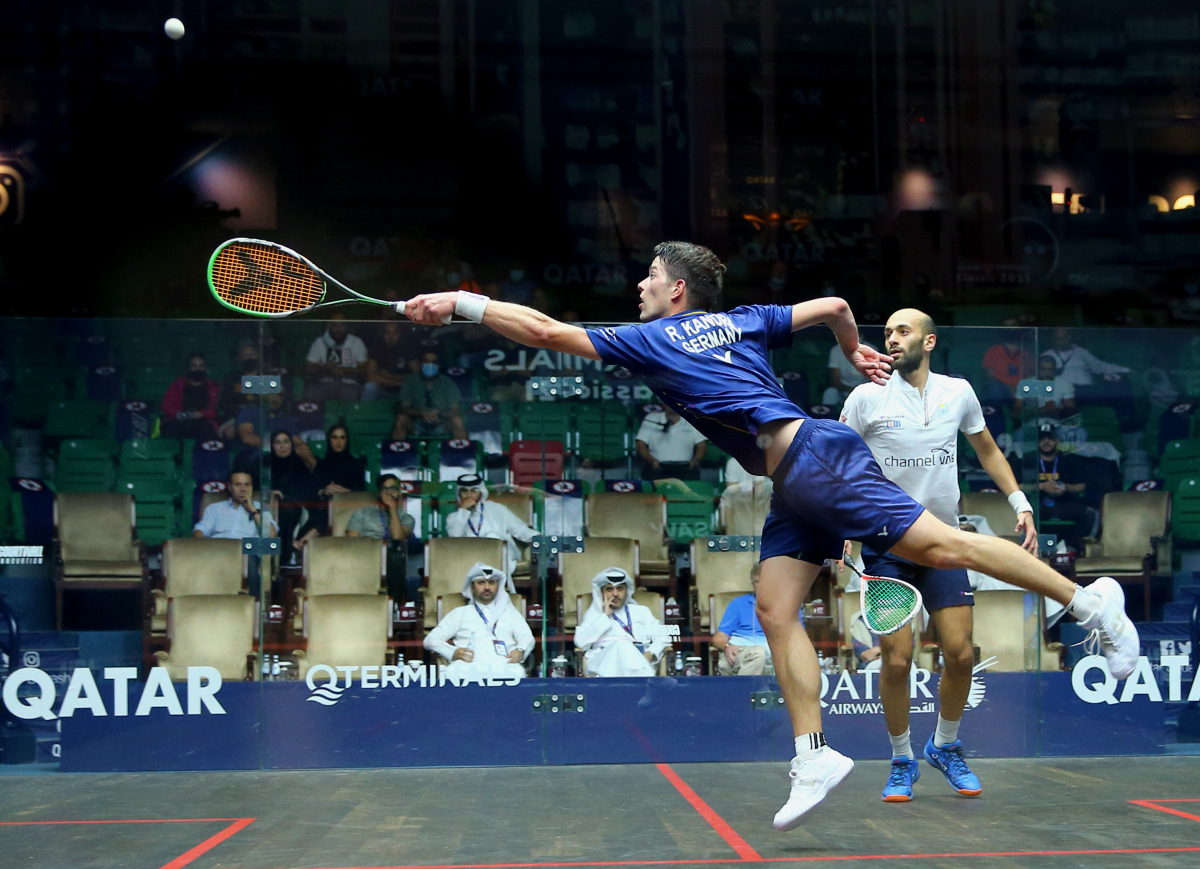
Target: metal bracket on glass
556 703
260 545
732 543
261 384
555 387
1035 389
553 544
767 700
1047 543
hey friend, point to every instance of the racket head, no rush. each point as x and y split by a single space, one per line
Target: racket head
263 279
888 604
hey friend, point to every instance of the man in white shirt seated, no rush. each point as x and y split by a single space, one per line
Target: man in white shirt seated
619 637
669 446
237 516
477 517
487 638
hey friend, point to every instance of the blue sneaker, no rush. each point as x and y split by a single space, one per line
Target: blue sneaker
949 759
904 774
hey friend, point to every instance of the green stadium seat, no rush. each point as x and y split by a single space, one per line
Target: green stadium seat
85 465
368 420
156 508
150 459
1185 512
603 435
691 508
1179 460
544 421
78 418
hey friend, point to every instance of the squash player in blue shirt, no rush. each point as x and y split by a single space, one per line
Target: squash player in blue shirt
714 370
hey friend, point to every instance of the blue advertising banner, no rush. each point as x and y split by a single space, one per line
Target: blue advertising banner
402 716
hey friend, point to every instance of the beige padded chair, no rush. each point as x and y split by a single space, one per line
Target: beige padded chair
341 565
1134 544
640 515
95 546
521 502
345 630
342 506
447 560
211 630
195 566
578 568
743 510
1000 629
993 507
713 572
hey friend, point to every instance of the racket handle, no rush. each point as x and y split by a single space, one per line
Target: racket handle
399 307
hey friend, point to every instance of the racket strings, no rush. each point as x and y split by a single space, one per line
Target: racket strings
262 280
887 605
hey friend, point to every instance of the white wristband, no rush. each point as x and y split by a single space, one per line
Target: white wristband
1019 502
470 306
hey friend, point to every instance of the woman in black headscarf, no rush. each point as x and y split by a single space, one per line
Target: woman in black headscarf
294 489
339 470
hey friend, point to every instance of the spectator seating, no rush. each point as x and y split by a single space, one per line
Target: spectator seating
639 515
342 506
690 509
447 561
1134 545
1185 512
716 570
96 548
533 460
212 630
345 630
196 566
340 565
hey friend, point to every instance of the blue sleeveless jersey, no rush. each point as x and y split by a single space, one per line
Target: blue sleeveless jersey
712 369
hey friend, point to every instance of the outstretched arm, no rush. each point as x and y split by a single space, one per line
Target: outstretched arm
836 314
521 324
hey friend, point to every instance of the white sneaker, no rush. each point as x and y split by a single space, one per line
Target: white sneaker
811 781
1112 633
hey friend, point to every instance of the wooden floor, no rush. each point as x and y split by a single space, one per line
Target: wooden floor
1044 813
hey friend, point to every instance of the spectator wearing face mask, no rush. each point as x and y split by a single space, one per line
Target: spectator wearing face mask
190 404
429 404
517 287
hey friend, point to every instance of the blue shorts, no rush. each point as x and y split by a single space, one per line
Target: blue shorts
939 588
829 488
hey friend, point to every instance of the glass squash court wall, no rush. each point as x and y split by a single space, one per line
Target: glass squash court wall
116 668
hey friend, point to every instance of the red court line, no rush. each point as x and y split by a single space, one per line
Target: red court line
208 844
1155 804
736 842
841 858
236 825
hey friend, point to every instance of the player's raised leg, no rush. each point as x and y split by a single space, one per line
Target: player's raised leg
816 768
1100 608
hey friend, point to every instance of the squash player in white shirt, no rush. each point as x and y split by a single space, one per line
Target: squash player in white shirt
911 426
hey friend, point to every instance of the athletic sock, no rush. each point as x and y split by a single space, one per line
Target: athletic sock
902 744
1084 605
946 733
809 745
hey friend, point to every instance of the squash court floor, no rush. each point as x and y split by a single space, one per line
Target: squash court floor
1054 813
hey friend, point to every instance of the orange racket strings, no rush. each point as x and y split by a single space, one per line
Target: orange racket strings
263 280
